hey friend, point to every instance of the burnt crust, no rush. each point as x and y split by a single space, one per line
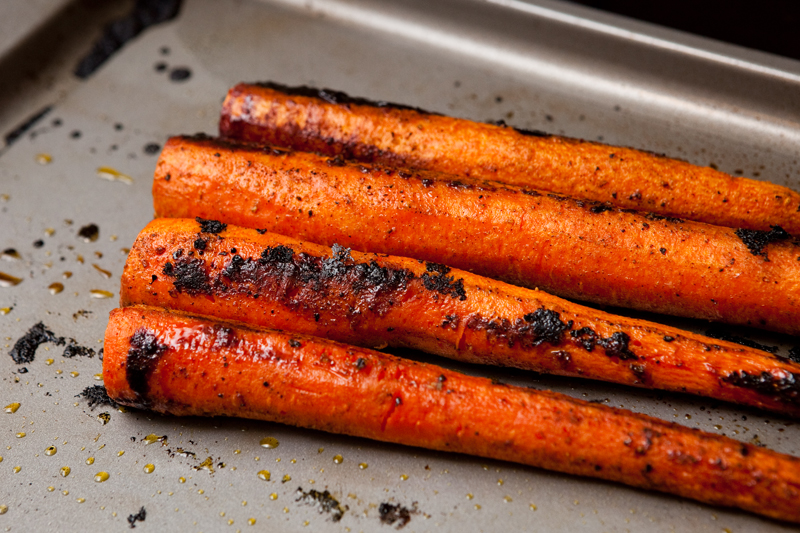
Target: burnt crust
757 240
143 356
783 389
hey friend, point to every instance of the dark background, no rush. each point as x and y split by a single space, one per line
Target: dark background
768 25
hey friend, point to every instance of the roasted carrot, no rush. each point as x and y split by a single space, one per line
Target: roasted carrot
177 364
572 248
269 280
332 123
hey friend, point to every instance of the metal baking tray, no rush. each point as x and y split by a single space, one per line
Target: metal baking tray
535 64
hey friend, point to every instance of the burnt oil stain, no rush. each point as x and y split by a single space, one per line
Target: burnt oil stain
151 148
210 226
96 395
89 232
395 513
783 389
137 517
143 356
757 240
323 501
74 349
24 349
180 74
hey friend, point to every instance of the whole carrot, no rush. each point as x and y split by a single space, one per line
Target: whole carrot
572 248
269 280
181 365
332 123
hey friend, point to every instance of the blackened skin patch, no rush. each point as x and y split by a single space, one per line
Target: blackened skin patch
137 517
190 275
615 346
323 501
543 325
390 514
437 280
96 395
211 226
785 390
143 357
794 354
756 240
74 349
24 349
724 336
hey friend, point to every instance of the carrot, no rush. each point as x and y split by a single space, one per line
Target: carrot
268 280
333 123
571 248
177 364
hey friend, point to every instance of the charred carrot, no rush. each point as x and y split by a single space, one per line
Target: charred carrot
269 280
332 123
572 248
177 364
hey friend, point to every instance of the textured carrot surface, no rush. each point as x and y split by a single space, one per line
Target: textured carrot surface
572 248
269 280
332 123
187 366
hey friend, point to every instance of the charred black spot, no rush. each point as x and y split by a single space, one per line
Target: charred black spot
294 343
323 501
601 208
543 325
361 363
617 345
794 354
390 514
668 338
546 325
96 395
210 226
783 389
189 274
756 240
530 192
143 356
725 336
278 254
442 283
586 337
200 244
24 349
74 349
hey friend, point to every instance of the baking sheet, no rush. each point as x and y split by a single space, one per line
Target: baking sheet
541 65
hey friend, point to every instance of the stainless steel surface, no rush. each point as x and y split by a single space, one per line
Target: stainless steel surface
539 64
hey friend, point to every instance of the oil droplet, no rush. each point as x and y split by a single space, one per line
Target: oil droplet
533 507
65 470
1 458
74 374
101 477
286 478
16 469
222 513
269 442
12 407
181 479
120 453
21 434
90 461
500 481
65 492
477 507
55 288
80 500
403 477
103 272
98 377
66 275
50 450
49 232
48 362
717 426
149 468
51 488
264 475
293 461
285 509
59 371
44 159
470 496
508 499
4 510
99 295
251 521
337 459
273 496
5 310
110 174
363 466
321 450
230 522
79 259
201 491
237 452
7 280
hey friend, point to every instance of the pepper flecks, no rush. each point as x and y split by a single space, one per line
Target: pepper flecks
190 275
24 349
211 226
783 389
441 282
757 240
143 356
323 501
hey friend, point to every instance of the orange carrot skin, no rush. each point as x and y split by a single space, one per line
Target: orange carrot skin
272 281
187 366
571 248
299 118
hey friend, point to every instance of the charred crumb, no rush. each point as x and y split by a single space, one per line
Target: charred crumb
89 232
211 226
96 395
138 517
151 148
24 349
794 354
724 336
189 274
390 513
601 208
80 313
323 501
361 363
278 254
757 240
784 389
294 343
200 244
22 370
441 282
74 349
262 231
38 243
143 356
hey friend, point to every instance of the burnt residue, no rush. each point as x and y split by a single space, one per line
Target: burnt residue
533 329
89 232
151 148
784 389
143 356
757 240
190 275
725 336
211 226
180 74
96 395
137 517
74 349
336 97
24 349
145 13
323 501
794 354
399 514
13 135
615 346
436 279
